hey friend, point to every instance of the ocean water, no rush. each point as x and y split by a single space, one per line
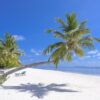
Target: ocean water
82 70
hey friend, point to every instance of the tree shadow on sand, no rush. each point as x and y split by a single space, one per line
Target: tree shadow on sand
40 90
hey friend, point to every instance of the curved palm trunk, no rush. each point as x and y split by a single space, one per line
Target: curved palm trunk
26 66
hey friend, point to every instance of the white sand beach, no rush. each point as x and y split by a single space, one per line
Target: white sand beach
40 84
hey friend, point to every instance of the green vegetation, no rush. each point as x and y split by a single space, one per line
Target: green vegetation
9 53
3 78
73 36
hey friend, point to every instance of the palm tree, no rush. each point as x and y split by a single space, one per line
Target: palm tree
9 53
9 56
73 36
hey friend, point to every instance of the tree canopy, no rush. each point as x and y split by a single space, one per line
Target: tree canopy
73 38
9 52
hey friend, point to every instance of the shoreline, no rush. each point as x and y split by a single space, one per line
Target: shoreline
77 70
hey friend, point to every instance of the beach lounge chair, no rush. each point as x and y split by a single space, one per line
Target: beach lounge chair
21 73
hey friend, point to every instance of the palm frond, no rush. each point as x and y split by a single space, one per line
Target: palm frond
55 54
97 39
79 33
67 56
72 22
71 18
56 33
86 42
78 51
62 23
50 31
52 47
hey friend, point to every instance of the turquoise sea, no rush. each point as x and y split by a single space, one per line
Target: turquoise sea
80 69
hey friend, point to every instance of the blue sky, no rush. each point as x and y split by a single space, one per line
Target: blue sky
28 19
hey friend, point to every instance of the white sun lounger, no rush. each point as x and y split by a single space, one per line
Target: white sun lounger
21 73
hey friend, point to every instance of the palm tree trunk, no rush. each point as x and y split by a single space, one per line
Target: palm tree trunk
26 66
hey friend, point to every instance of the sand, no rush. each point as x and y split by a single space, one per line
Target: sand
39 84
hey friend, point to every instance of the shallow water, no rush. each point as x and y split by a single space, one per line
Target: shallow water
83 70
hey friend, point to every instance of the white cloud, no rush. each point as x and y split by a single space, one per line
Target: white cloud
93 52
85 57
19 37
36 52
